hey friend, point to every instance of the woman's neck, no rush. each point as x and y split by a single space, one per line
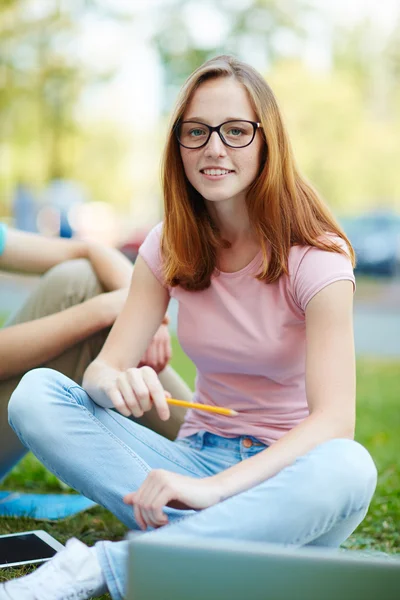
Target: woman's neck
232 220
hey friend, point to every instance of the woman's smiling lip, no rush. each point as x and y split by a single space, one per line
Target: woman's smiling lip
215 173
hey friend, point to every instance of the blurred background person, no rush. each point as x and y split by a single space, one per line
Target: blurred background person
65 321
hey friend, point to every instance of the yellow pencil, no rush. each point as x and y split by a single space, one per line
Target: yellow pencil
229 412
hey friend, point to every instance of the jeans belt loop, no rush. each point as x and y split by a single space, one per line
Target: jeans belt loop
200 439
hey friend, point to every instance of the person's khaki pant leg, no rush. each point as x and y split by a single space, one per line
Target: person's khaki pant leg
63 286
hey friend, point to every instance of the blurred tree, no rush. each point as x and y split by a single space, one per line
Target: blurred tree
369 60
40 88
350 155
345 122
41 82
187 33
392 58
344 131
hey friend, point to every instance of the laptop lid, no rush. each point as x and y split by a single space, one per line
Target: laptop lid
194 569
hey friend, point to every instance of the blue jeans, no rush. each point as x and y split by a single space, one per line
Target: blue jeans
318 500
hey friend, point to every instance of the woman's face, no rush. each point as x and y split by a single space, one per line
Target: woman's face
219 172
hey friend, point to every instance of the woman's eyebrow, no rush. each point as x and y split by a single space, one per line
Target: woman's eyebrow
202 120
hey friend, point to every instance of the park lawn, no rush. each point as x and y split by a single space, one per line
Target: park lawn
378 426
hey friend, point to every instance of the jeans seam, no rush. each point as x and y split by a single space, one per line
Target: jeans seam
135 456
113 576
326 529
134 434
42 459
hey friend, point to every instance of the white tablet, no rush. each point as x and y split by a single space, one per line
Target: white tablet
27 547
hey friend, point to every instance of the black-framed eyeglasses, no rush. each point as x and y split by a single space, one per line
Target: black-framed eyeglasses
235 134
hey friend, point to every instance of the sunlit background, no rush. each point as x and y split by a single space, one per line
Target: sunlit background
86 87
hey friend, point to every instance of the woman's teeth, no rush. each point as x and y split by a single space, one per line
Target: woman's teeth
215 172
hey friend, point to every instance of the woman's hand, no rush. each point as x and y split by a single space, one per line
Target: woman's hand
159 352
134 391
163 488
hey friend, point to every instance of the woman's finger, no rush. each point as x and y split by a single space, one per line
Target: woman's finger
161 358
158 514
153 504
155 355
140 388
118 402
129 396
150 499
138 517
148 518
167 349
157 392
149 356
144 510
129 498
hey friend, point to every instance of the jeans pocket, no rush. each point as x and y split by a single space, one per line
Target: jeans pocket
189 440
255 449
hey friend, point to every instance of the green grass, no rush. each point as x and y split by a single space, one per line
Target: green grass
378 427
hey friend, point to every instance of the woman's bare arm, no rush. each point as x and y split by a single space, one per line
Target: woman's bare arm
130 336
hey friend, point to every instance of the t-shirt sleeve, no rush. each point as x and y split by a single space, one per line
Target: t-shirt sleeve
150 251
3 234
317 269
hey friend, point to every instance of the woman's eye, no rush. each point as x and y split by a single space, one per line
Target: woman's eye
196 132
235 132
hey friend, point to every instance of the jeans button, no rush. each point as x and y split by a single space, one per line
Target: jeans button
247 443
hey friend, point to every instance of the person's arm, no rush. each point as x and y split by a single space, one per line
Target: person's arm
330 388
113 379
27 345
32 253
20 349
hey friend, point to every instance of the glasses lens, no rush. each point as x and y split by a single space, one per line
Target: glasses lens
237 133
193 135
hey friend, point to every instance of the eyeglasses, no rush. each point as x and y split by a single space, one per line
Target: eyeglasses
235 134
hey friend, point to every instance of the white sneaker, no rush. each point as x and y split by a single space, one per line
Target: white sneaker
74 573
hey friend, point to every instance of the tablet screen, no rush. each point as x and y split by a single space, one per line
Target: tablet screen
24 547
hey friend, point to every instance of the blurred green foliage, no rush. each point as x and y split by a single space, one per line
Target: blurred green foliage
346 150
344 121
244 24
41 84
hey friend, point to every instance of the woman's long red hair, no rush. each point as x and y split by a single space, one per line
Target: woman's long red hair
284 209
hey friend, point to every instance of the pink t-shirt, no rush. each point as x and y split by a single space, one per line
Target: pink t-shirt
247 340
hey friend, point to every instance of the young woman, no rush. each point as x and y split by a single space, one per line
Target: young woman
263 276
65 321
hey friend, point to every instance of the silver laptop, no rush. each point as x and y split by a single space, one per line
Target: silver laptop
192 569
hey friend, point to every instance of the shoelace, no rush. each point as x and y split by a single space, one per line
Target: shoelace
76 594
82 595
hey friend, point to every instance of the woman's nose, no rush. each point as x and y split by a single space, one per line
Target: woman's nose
215 146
